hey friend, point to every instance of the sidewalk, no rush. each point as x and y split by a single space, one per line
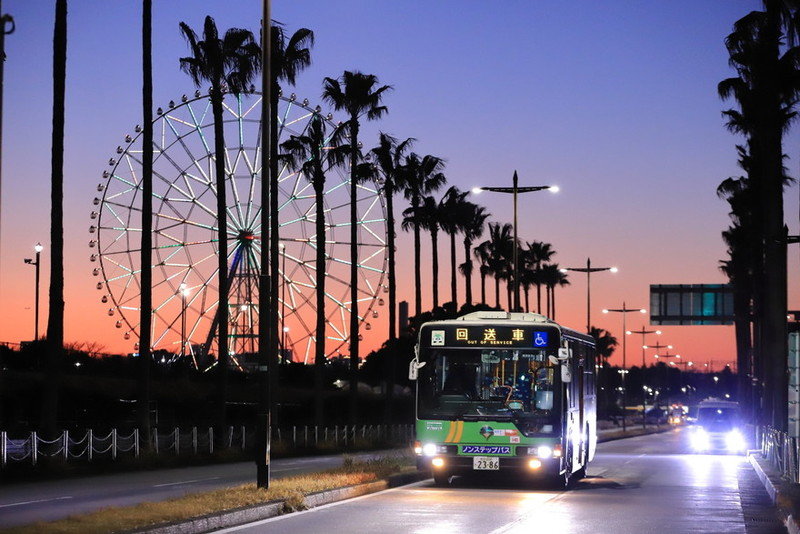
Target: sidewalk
785 495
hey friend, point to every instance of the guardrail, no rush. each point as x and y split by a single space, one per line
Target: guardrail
781 451
32 447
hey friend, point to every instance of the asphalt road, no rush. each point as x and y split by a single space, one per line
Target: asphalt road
50 500
648 484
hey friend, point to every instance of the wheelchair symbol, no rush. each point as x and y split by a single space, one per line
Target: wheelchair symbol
540 339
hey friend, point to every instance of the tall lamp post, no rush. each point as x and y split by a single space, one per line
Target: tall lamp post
589 270
643 332
516 190
35 262
624 311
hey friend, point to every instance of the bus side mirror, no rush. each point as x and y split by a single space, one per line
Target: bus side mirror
413 368
566 374
563 354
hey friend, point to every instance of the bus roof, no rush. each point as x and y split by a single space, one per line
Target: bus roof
481 317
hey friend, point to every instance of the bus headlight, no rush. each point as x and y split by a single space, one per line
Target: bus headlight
429 449
735 441
700 440
437 462
543 451
534 464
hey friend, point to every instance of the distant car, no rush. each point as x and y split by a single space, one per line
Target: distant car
656 416
718 428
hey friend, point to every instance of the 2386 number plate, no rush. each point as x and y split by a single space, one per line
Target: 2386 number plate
486 463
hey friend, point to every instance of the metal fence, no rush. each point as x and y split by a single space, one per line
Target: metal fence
781 451
90 446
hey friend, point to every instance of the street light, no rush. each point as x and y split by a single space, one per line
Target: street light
516 190
35 262
643 332
589 270
624 310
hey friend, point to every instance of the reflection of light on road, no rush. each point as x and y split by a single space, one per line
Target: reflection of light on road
705 470
531 515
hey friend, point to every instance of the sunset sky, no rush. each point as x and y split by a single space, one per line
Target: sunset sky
615 102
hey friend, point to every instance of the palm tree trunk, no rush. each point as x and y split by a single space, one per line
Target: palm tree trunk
538 297
553 297
741 307
468 272
146 257
354 271
508 294
392 280
222 258
547 298
483 287
319 350
417 267
55 319
435 266
527 295
453 285
497 291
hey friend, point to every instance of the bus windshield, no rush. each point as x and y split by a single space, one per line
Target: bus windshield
492 384
718 419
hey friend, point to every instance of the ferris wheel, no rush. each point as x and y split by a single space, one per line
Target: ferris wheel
185 291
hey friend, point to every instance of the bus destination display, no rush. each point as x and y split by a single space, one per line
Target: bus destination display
494 336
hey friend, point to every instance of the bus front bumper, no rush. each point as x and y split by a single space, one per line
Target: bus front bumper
507 465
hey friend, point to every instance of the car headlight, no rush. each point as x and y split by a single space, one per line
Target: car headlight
735 441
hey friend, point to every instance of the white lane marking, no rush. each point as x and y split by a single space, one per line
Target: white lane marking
317 508
33 502
184 482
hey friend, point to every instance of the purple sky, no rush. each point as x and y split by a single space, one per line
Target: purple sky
615 102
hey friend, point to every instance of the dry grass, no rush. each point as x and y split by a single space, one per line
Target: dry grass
291 490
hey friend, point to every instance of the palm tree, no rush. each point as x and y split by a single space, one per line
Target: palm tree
146 256
229 64
359 95
55 318
428 216
474 222
307 154
605 343
483 255
766 89
499 249
537 253
388 158
288 57
552 277
455 211
419 177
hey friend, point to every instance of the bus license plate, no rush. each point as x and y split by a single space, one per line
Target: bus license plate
485 463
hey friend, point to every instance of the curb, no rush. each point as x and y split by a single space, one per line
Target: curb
242 516
772 486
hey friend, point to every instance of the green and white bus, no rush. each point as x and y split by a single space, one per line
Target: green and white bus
504 392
